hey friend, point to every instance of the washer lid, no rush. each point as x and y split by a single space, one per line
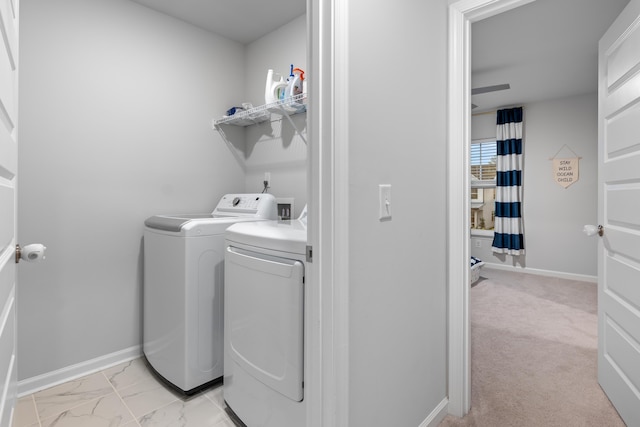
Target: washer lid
284 236
173 222
193 225
230 209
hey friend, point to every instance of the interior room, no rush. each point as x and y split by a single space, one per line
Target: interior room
117 102
117 106
118 129
119 109
558 93
519 59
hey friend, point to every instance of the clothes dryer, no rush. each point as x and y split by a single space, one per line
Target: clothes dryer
264 323
183 289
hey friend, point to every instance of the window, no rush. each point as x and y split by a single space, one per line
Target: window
483 185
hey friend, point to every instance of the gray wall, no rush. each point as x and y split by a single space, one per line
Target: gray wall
274 146
397 135
554 216
97 159
115 110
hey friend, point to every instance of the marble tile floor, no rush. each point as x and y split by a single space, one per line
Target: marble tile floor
125 395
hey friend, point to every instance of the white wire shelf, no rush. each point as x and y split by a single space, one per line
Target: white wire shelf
262 113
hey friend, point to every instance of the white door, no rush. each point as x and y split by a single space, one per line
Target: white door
619 213
8 175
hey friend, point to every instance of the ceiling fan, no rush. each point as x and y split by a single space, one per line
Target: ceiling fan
487 89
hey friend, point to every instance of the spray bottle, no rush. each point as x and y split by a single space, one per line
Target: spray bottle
295 84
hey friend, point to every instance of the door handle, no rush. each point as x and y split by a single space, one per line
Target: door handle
30 253
591 230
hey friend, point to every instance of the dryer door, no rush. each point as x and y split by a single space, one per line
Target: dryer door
264 300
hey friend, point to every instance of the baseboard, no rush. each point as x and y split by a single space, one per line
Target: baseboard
50 379
540 272
437 415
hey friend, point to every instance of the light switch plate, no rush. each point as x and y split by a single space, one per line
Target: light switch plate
385 202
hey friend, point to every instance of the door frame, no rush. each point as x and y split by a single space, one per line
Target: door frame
327 276
462 14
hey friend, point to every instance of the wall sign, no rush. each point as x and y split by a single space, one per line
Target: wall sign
566 171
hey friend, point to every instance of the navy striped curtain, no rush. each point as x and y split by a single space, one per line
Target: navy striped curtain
508 235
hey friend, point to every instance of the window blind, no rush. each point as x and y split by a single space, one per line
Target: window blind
483 161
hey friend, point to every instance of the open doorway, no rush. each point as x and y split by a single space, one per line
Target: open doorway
463 19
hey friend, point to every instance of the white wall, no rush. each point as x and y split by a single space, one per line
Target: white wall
274 146
116 105
554 216
483 126
397 81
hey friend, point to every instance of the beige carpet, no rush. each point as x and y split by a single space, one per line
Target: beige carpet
534 353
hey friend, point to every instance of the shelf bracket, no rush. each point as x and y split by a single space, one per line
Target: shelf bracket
288 116
258 115
231 147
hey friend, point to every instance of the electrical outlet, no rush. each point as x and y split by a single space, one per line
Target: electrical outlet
478 243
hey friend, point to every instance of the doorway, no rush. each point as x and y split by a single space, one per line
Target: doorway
461 18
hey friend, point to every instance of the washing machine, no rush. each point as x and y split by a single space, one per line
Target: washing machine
183 289
264 323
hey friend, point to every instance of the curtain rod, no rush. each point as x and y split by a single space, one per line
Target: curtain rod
496 110
485 113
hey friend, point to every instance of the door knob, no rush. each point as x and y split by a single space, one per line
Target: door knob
591 230
30 253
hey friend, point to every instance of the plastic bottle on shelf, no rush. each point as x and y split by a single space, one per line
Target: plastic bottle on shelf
275 87
296 81
296 86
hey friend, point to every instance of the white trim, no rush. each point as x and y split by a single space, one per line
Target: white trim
437 415
541 272
481 140
340 208
313 311
483 183
50 379
482 233
328 391
459 210
7 400
321 382
461 14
